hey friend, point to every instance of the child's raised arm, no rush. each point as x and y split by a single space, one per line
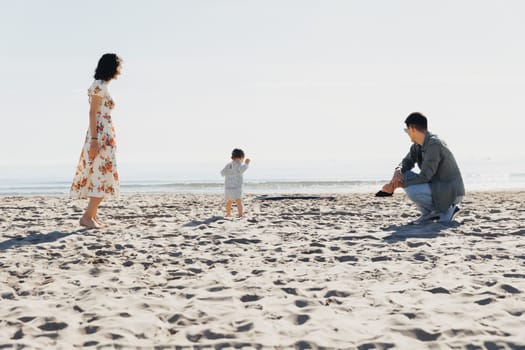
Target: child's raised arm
244 166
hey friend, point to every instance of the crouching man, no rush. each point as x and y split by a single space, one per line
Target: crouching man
438 187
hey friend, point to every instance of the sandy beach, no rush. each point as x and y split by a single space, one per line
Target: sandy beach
340 272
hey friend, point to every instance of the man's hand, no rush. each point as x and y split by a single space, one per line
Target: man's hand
247 161
397 179
388 188
396 182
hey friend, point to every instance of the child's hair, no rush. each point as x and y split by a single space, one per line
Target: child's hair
237 153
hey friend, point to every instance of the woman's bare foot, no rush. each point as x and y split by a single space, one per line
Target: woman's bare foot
100 223
89 223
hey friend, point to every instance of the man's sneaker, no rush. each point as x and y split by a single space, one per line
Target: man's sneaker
449 215
423 219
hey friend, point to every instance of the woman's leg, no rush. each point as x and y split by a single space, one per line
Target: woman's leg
89 217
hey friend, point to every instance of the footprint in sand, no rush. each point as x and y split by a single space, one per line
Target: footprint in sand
8 296
420 257
95 272
376 346
345 258
91 329
114 336
250 298
510 289
19 334
291 291
175 318
336 293
421 334
242 241
208 334
304 345
416 244
52 326
90 343
438 290
301 303
381 258
485 301
300 319
243 326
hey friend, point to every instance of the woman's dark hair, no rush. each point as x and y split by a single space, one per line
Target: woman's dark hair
107 67
237 153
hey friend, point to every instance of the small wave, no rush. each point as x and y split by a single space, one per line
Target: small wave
253 184
262 186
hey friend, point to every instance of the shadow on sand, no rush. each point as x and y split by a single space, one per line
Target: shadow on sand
37 238
208 221
295 197
403 232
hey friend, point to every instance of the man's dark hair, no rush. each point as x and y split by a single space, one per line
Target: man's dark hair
107 67
417 120
237 153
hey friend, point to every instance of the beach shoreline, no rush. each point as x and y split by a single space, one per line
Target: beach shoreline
337 272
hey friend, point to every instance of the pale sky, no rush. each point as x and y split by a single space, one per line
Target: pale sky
307 88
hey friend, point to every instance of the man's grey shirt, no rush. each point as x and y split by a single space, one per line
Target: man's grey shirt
438 168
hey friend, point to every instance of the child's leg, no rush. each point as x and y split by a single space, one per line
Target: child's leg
239 206
229 208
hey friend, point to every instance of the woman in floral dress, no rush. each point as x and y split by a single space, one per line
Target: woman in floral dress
96 176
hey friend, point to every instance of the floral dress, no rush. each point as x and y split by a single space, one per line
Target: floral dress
98 177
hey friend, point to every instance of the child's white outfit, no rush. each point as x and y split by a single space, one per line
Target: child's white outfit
232 173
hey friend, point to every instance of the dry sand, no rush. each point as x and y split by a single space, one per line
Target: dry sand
348 273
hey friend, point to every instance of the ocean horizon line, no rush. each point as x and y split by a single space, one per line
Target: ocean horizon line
515 181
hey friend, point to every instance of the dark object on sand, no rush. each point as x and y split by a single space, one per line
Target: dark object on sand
383 194
282 198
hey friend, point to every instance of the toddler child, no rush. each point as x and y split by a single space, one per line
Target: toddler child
232 173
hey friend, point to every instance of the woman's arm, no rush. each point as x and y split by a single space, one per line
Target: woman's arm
96 102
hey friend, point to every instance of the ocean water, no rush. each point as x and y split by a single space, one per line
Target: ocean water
19 187
478 174
10 187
